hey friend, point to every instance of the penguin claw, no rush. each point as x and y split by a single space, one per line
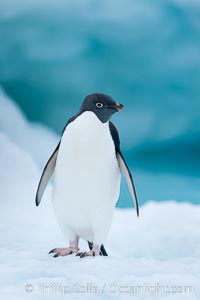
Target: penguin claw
56 255
57 250
85 254
63 251
52 251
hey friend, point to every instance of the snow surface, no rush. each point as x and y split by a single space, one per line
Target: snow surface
14 123
161 247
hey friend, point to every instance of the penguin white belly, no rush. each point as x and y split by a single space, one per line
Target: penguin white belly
87 179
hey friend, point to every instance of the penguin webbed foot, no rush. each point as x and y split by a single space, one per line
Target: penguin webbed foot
63 251
94 251
85 254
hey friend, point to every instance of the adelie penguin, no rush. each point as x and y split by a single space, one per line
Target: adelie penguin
87 164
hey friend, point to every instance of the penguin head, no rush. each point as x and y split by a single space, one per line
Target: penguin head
102 105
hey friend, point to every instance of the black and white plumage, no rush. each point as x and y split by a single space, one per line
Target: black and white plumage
87 164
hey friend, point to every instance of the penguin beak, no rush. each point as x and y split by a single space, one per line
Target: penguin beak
119 106
116 107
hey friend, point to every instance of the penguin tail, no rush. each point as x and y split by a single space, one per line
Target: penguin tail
102 249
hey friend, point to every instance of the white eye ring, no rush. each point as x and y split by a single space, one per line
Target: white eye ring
99 105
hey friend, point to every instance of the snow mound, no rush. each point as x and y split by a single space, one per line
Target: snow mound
156 255
32 137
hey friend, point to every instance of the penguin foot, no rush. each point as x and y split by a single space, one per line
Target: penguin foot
93 252
89 253
64 251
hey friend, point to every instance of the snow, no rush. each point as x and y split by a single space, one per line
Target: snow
159 250
14 124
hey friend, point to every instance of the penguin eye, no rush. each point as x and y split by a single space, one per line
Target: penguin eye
99 105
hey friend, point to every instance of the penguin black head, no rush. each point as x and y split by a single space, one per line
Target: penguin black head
102 105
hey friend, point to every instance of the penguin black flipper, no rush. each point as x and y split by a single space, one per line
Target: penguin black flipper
129 179
49 169
46 175
123 165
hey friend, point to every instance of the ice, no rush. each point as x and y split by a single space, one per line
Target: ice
161 248
153 257
32 137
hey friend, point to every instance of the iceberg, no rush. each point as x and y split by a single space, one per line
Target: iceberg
156 255
35 139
